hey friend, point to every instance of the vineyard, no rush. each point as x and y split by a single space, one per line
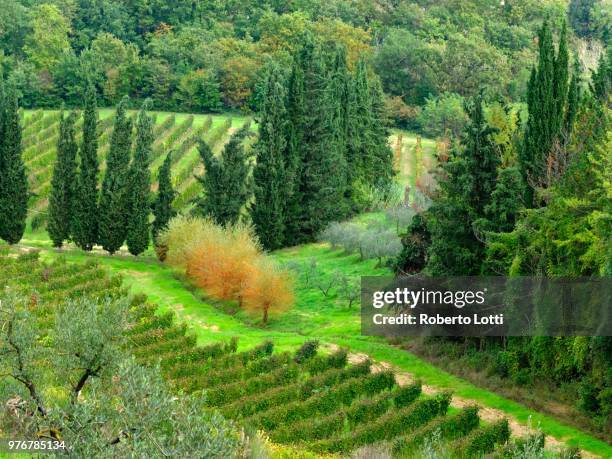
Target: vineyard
176 133
322 402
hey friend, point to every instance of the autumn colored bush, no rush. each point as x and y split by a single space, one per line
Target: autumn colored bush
228 263
268 289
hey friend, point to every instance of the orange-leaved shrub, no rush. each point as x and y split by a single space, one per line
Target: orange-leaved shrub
228 263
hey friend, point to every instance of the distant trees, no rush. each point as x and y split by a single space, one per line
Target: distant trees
13 180
113 208
63 183
85 223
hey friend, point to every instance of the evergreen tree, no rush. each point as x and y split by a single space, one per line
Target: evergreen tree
573 101
139 196
322 176
546 101
85 223
62 196
602 77
382 155
162 207
226 182
270 183
360 145
471 174
13 179
293 153
113 208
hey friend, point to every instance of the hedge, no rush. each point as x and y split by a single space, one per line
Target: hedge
483 440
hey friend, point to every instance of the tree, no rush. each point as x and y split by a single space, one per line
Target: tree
139 204
13 179
85 224
162 207
269 177
113 208
268 290
466 191
226 183
62 196
49 39
546 101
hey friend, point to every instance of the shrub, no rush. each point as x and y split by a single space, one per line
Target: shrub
319 364
306 351
441 114
404 396
483 440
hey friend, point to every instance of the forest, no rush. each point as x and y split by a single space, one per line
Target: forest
190 194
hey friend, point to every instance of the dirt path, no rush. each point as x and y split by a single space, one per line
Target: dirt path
485 413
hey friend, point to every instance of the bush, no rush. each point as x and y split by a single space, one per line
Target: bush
306 351
483 440
318 364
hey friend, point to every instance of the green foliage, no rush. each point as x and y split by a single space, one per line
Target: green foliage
113 206
62 196
306 351
227 182
162 207
13 180
139 199
415 242
269 177
442 115
483 440
85 223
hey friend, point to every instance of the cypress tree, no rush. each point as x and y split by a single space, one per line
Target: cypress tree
547 94
62 195
382 155
85 223
162 207
226 183
471 176
268 210
113 208
139 203
13 179
360 138
573 100
322 179
293 153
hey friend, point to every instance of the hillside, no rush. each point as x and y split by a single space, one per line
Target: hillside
174 132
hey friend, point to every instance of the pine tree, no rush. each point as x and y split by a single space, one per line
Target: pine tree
226 182
113 207
62 196
270 183
162 207
85 223
139 197
13 179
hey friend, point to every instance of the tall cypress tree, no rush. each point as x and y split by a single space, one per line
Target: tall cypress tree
546 101
85 223
360 144
62 196
162 207
226 184
471 178
139 203
322 175
293 153
270 182
382 156
113 208
13 179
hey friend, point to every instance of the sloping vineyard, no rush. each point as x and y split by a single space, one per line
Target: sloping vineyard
176 133
319 402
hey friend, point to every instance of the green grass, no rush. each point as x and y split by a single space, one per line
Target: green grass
314 316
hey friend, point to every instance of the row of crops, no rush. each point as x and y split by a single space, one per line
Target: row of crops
173 132
316 401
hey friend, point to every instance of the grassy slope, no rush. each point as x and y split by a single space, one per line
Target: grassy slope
313 316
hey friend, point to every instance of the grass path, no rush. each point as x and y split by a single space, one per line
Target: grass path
314 316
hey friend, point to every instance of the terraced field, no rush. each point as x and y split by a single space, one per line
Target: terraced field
176 133
314 401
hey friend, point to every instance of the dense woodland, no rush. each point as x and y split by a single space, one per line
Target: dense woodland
517 93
